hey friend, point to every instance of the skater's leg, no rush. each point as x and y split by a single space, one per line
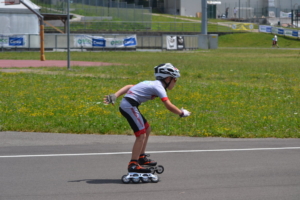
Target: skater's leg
133 165
146 140
143 160
138 146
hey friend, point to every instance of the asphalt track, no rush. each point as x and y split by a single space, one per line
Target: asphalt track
48 166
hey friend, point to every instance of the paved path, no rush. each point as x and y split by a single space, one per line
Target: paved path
49 63
49 166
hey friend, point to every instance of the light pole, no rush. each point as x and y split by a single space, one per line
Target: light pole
204 17
239 10
68 32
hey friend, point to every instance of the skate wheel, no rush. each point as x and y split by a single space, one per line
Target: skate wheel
135 178
145 179
152 170
125 179
154 179
160 169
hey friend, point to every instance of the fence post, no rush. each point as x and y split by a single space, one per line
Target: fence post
28 42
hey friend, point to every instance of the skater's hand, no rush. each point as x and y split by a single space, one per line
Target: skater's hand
110 99
185 113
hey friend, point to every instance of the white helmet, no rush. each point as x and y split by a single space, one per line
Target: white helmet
166 70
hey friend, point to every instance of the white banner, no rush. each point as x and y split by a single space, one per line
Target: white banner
171 42
12 40
285 15
271 3
98 41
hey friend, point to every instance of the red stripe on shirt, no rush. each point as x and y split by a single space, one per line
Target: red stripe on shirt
164 99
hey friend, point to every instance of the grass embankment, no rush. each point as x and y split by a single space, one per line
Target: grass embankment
256 40
231 93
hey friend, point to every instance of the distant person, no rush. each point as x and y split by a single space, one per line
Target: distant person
235 11
275 41
226 12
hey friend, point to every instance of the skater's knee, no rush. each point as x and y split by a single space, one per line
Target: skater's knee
148 130
140 132
142 136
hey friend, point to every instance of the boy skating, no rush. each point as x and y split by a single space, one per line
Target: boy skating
166 77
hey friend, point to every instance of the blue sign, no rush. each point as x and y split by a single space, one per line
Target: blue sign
269 29
16 41
281 31
295 33
98 42
129 42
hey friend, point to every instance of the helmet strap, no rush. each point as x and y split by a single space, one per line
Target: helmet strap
167 84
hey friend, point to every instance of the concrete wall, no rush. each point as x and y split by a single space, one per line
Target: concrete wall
59 41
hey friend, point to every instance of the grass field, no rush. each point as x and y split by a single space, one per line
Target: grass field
231 93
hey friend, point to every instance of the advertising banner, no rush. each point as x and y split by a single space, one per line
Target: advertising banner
285 15
265 29
242 26
279 31
175 42
98 41
12 40
180 42
171 42
291 33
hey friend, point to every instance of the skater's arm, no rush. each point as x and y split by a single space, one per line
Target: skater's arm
171 107
112 97
123 90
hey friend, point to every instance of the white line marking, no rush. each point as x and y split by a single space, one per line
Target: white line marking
175 151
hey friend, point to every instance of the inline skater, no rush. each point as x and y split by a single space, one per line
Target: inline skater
166 77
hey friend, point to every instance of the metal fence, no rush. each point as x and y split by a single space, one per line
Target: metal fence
117 10
142 26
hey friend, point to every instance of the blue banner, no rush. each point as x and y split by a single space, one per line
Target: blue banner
281 31
131 41
265 29
295 34
99 42
16 41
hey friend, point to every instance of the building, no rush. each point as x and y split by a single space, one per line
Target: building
17 19
235 8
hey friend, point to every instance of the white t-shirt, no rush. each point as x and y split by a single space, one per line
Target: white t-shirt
147 90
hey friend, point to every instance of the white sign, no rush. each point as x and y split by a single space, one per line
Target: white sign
171 42
285 15
271 3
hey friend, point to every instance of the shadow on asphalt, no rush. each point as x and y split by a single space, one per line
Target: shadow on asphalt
99 181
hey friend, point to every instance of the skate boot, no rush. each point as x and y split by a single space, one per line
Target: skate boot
143 160
134 166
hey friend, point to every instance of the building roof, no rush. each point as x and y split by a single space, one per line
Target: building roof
50 16
17 7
